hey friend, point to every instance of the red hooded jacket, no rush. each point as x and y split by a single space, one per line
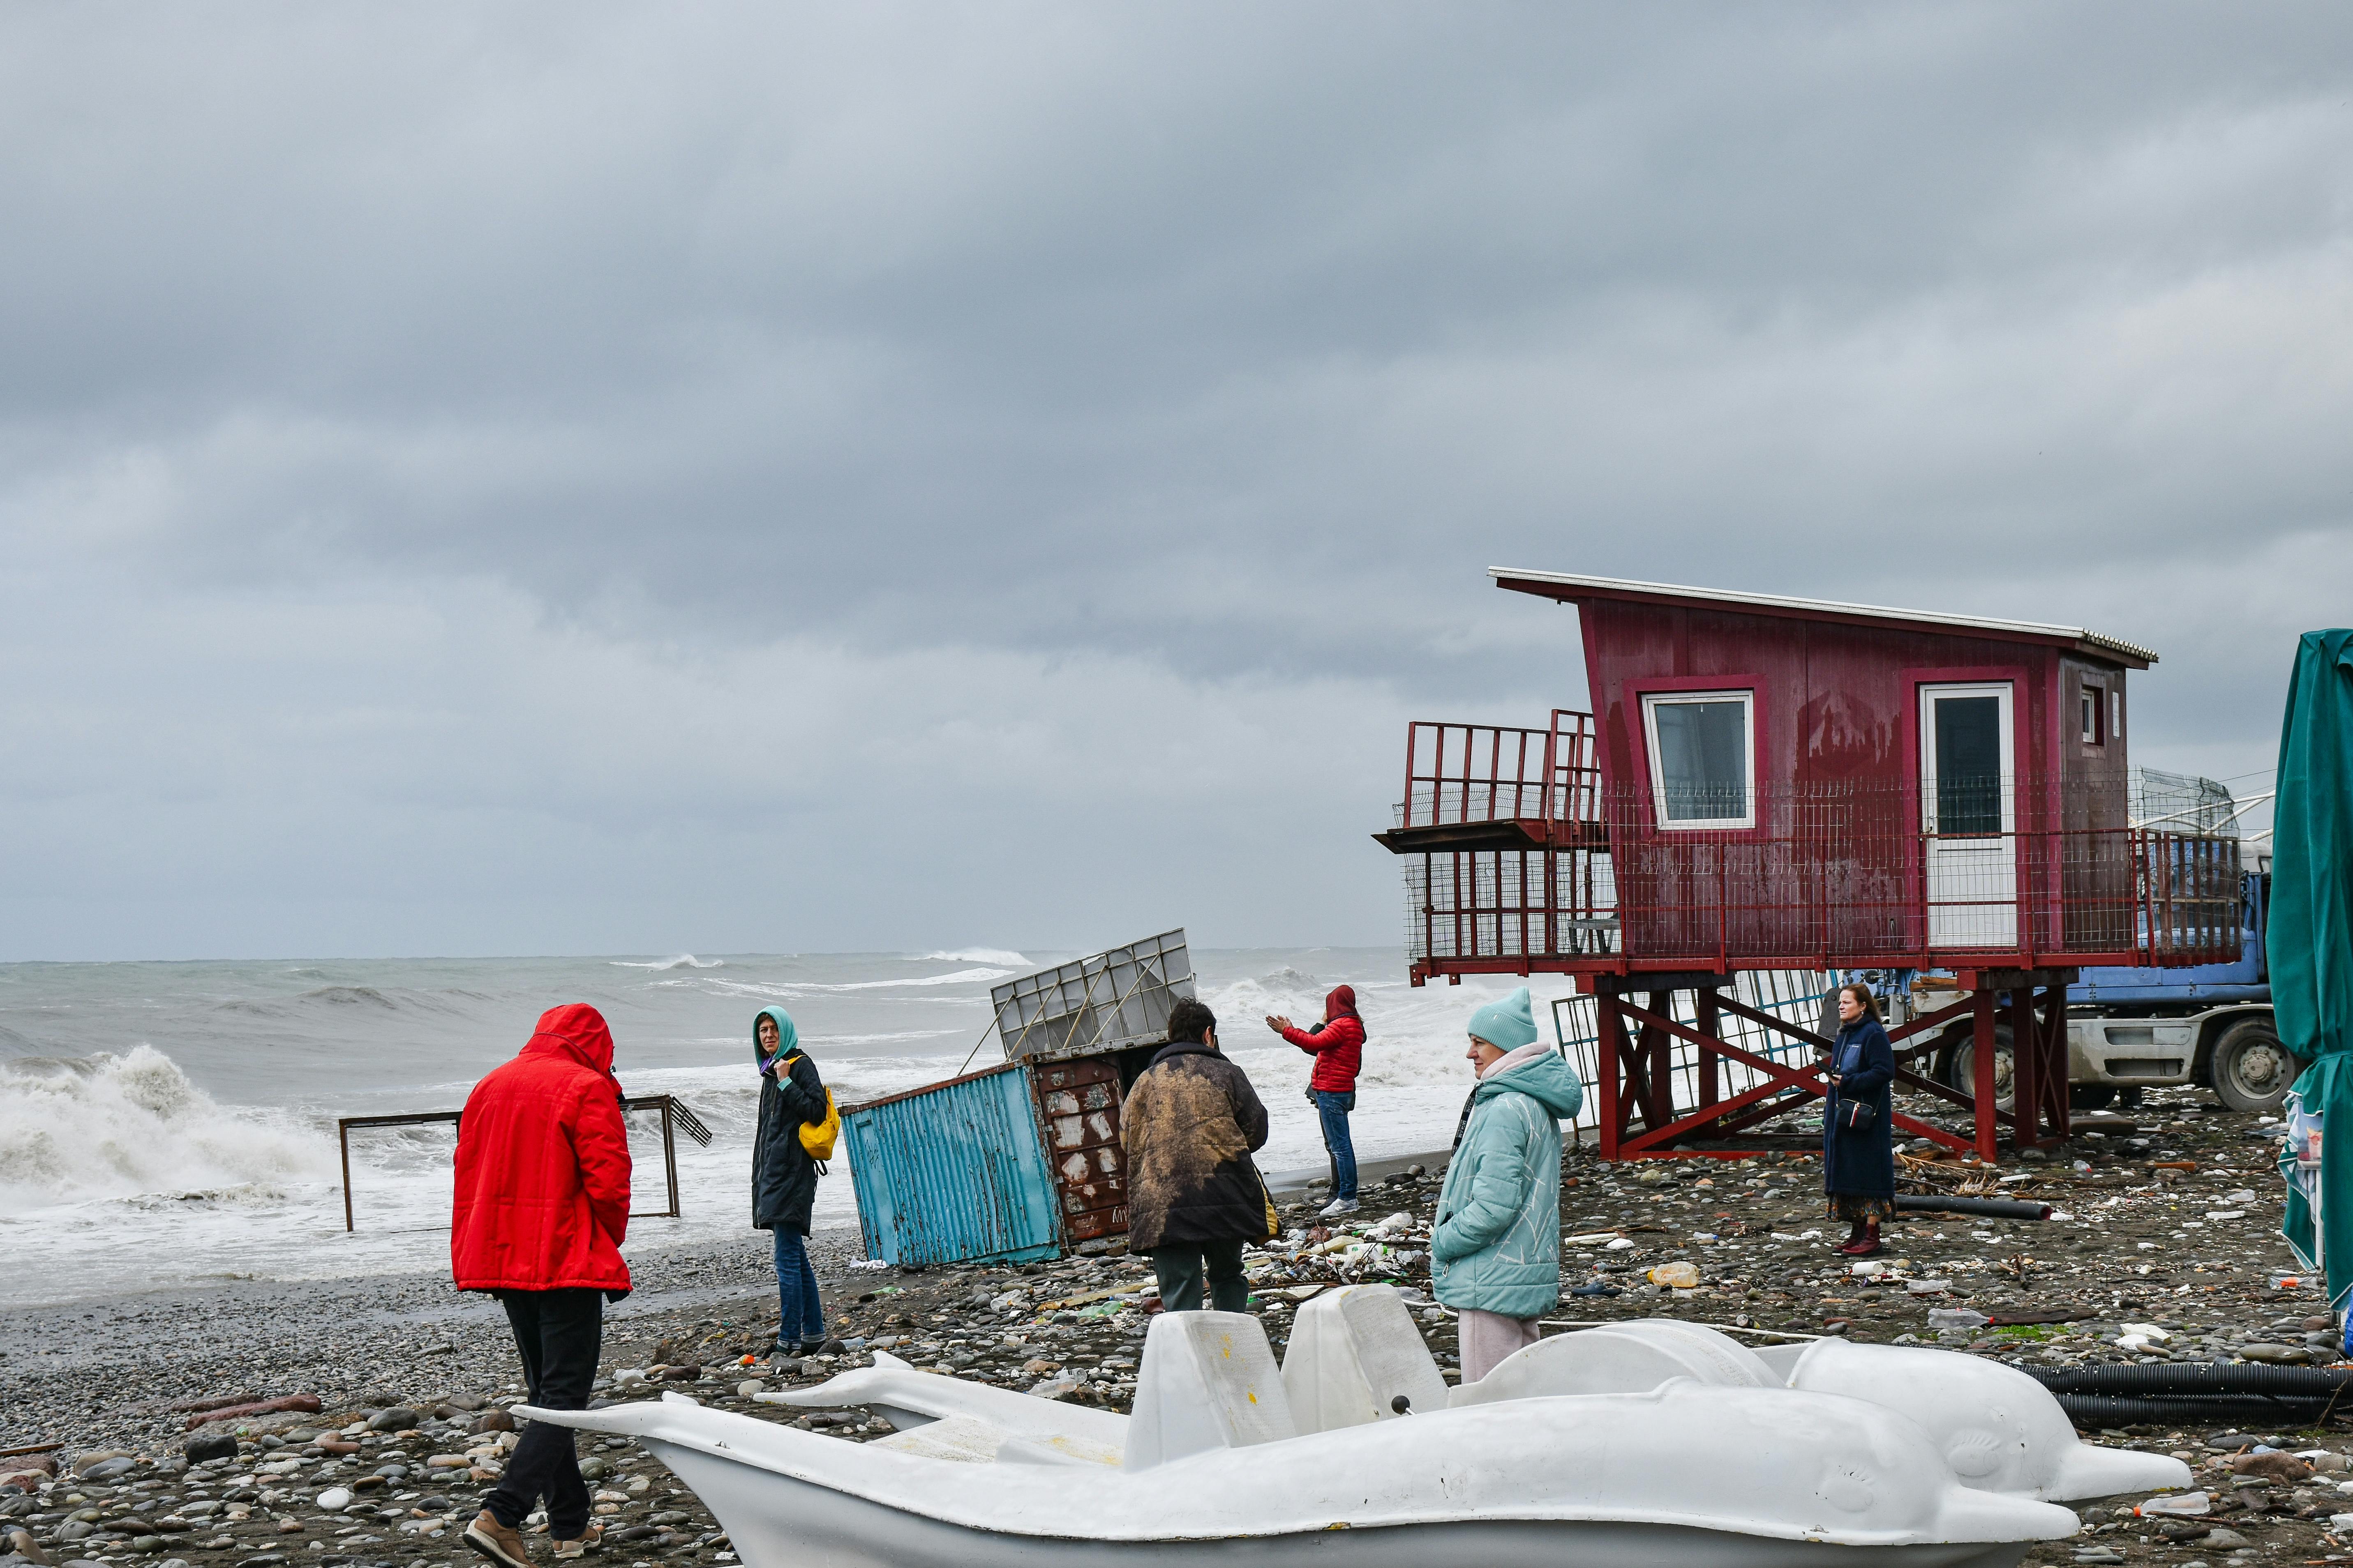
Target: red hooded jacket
543 1191
1337 1044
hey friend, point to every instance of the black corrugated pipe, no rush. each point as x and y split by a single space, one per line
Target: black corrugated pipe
1991 1208
2153 1379
2120 1410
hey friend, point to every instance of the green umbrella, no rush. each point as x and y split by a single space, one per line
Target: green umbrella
2309 940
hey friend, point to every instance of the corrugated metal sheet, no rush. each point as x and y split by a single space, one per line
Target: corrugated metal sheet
953 1172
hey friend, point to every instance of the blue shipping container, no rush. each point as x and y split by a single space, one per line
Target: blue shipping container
953 1172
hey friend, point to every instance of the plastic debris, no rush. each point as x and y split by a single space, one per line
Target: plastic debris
2186 1505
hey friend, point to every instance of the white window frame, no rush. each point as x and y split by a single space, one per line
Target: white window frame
1651 703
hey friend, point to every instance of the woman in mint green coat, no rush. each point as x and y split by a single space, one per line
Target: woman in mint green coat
1495 1248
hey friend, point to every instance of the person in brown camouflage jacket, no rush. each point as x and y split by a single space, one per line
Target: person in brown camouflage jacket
1194 1197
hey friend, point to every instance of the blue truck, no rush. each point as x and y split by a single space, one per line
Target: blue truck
2127 1028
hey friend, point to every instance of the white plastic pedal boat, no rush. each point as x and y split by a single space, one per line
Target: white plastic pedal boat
1652 1443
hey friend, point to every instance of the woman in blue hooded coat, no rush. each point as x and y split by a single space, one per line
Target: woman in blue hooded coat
1494 1248
783 1176
1859 1162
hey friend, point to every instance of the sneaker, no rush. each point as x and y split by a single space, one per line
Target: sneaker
589 1539
1596 1287
497 1543
1337 1206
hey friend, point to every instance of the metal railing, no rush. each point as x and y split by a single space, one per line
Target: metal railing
673 1112
1459 773
1838 875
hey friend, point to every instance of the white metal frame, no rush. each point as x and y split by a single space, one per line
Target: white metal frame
1654 700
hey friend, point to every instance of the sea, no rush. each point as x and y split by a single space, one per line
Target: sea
166 1124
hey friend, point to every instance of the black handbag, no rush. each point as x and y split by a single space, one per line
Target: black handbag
1856 1115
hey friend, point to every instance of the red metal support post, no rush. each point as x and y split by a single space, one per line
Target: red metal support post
1610 1051
1659 1065
2029 1070
1981 1061
2055 1032
1703 1016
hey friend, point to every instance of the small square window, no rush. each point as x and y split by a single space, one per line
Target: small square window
1702 753
2092 710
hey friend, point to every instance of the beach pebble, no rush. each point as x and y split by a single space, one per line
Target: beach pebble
493 1421
450 1462
750 1386
399 1418
335 1498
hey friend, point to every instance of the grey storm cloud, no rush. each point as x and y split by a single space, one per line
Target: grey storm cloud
1036 417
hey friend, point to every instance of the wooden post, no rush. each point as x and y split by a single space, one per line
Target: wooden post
1982 1088
670 1156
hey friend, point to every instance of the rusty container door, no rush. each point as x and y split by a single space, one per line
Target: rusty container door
1078 1107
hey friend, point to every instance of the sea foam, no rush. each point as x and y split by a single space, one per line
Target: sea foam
109 1126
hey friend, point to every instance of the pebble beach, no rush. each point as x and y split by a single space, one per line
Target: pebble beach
2164 1237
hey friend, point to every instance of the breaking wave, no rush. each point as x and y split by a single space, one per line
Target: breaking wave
973 956
683 961
788 989
107 1126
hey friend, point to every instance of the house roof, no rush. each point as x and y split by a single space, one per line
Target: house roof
1574 586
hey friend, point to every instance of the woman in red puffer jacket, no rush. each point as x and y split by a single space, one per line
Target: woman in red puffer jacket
542 1202
1337 1044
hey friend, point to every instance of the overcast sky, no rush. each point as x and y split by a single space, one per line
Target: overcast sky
585 479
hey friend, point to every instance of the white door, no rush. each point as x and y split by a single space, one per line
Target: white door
1968 808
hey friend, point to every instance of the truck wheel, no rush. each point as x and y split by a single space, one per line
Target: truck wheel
1961 1066
2091 1096
2252 1071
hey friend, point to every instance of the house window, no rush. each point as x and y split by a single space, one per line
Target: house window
1702 750
2093 708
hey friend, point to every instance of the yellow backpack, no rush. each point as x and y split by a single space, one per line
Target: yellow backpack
817 1138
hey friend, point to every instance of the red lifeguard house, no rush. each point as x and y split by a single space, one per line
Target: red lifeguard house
1771 783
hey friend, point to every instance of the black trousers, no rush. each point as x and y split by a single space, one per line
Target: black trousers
1180 1269
559 1333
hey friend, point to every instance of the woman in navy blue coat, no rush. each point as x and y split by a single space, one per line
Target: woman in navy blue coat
1859 1162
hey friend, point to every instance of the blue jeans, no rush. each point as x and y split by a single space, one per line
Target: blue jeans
797 1290
1332 1109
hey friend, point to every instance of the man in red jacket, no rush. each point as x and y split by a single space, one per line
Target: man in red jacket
1337 1044
543 1201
